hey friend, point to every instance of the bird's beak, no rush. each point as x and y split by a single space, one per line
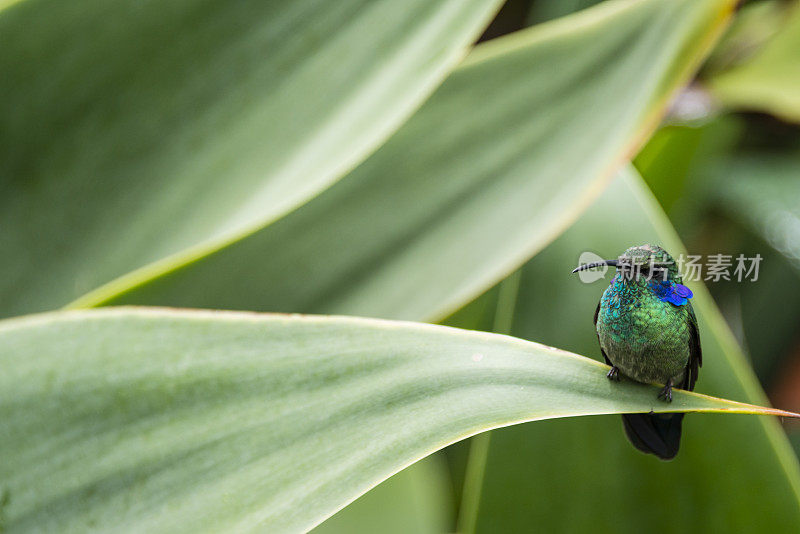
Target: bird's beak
611 263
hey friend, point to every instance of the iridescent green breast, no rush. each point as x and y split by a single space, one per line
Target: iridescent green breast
646 338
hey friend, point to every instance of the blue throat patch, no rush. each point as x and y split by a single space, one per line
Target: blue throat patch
668 291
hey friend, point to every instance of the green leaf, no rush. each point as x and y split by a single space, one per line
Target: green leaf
594 476
754 24
472 185
178 421
144 134
769 81
418 499
544 10
673 164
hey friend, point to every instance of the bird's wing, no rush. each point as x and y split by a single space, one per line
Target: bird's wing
695 352
596 313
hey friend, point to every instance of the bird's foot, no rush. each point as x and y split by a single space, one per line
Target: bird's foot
666 393
613 374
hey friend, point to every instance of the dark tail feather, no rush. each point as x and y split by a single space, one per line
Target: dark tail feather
654 433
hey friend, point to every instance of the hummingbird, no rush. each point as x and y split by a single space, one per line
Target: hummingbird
648 332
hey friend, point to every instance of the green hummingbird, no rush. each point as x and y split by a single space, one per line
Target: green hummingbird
648 332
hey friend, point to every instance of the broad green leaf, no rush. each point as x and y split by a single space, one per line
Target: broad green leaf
143 134
769 81
416 500
148 420
505 154
593 475
491 312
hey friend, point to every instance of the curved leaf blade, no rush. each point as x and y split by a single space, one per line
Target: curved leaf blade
472 185
139 135
770 80
166 420
417 499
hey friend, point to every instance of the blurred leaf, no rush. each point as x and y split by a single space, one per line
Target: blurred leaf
675 161
754 197
762 191
139 131
544 10
754 24
763 313
164 420
473 184
510 18
593 475
666 160
770 80
415 500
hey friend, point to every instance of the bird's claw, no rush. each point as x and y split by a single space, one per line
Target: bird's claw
613 374
666 393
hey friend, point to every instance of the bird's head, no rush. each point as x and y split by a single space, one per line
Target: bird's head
640 264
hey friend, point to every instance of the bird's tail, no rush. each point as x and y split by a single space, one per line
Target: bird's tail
654 433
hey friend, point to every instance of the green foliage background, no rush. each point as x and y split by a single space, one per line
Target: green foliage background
368 158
